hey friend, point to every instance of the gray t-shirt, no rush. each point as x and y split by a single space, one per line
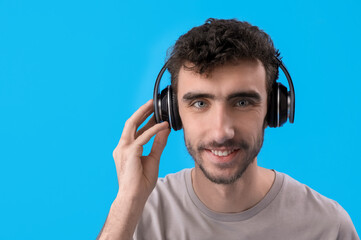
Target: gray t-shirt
290 210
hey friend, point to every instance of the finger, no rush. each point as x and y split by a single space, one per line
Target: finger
149 124
159 144
136 120
151 162
148 134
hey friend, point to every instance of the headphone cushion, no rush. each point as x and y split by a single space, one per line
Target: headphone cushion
283 104
177 122
272 107
164 105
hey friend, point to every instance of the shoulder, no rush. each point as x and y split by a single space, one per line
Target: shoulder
169 190
173 178
316 208
302 194
172 183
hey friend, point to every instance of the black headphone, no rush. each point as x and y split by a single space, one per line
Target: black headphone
281 104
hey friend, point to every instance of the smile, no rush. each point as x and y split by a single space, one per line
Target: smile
222 153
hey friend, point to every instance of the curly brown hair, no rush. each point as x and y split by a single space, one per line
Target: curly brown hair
218 42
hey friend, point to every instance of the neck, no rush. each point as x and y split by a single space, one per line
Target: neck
239 196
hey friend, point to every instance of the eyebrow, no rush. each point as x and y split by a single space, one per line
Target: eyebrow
250 94
244 94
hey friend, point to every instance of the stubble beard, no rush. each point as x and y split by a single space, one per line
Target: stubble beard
248 154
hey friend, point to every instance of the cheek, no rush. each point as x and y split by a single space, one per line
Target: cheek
252 119
190 121
250 125
191 128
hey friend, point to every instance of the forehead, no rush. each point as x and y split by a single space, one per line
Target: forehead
246 75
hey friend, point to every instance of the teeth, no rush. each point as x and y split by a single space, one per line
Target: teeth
222 153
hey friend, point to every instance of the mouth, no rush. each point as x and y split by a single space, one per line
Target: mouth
222 153
222 156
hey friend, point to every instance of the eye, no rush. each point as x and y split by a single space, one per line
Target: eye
199 104
242 103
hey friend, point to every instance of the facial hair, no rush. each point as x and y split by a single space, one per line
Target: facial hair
249 152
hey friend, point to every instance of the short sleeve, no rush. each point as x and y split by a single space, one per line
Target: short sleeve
347 230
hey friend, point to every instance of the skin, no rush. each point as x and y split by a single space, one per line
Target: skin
225 111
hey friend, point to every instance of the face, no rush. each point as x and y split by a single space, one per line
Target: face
223 118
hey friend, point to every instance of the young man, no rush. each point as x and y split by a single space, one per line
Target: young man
223 73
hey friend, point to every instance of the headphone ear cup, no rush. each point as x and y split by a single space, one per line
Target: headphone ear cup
272 107
176 120
277 113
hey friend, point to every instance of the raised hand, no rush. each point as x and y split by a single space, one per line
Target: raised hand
137 174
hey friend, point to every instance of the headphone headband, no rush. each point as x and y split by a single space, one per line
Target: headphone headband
291 97
156 95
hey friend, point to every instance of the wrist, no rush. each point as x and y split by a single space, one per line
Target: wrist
130 202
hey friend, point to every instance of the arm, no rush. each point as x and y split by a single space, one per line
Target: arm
137 174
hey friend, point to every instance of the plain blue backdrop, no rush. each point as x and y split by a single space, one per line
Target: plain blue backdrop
72 72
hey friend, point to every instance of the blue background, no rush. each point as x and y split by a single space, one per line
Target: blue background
72 72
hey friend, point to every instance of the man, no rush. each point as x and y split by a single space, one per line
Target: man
223 73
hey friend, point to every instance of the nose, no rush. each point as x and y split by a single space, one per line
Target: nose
222 127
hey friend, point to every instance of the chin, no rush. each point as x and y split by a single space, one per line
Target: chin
223 168
222 175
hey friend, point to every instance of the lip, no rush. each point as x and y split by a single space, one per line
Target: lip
221 159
